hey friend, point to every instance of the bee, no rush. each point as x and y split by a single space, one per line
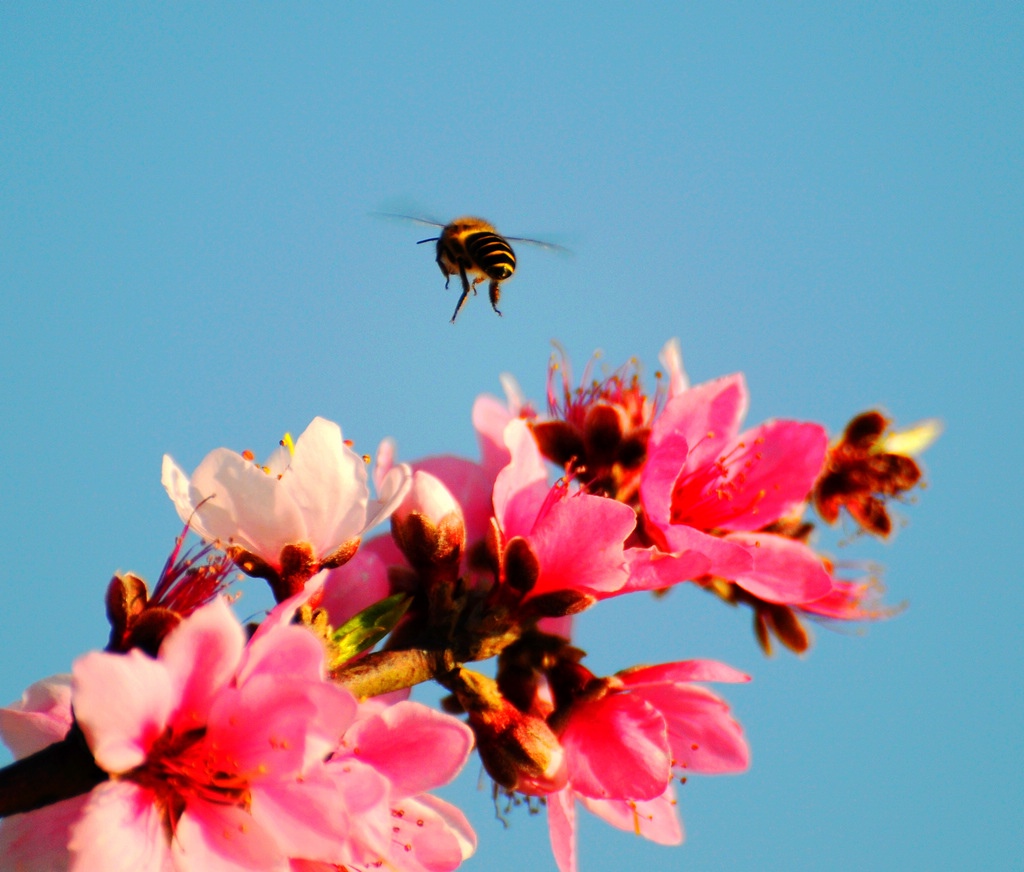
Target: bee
471 246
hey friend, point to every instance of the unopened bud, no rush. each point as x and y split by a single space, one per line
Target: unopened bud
428 526
559 603
127 596
519 751
522 568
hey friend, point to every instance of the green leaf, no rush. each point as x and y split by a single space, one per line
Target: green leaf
366 629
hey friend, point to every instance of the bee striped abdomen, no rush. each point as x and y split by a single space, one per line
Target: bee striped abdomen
491 254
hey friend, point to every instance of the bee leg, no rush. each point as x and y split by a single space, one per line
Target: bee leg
447 275
495 293
465 291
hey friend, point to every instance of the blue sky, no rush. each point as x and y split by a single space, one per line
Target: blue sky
829 198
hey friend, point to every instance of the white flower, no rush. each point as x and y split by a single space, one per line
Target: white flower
314 496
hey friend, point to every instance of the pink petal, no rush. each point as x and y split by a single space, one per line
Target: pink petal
289 651
224 838
327 481
390 492
785 571
200 656
579 542
616 748
176 483
363 796
490 417
305 816
246 506
122 703
521 487
770 475
728 558
653 569
430 834
41 717
120 830
562 829
38 840
274 728
702 735
681 671
671 357
415 747
851 601
654 819
429 497
707 417
383 461
665 460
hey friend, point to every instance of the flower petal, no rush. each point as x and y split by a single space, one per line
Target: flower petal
201 655
655 819
653 569
328 482
579 544
617 748
702 735
302 813
37 841
238 503
122 703
707 417
562 829
41 717
120 830
683 670
775 466
784 571
430 834
224 838
521 487
412 745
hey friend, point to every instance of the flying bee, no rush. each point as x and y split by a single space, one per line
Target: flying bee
471 246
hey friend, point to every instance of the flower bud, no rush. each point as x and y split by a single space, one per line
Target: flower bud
428 526
522 568
519 751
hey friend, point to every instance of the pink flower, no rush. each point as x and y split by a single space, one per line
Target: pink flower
386 762
624 737
215 750
313 501
37 841
577 539
41 717
709 489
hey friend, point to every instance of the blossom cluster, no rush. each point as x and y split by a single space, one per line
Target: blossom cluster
192 742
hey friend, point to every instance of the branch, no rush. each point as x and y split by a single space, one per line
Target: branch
387 671
60 771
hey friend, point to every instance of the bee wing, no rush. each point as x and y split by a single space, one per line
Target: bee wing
395 216
550 246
